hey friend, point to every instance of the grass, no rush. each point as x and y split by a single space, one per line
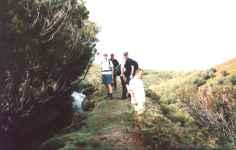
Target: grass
108 126
229 66
166 123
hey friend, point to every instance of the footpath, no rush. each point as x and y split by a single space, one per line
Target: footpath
109 126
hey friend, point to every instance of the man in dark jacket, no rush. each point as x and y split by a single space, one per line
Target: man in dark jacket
116 73
128 70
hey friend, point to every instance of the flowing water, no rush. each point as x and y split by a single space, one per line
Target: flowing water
78 101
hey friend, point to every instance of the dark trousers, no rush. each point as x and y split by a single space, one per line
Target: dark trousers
124 88
114 83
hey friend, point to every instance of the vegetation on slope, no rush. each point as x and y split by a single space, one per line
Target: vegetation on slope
191 110
194 111
45 46
229 66
108 126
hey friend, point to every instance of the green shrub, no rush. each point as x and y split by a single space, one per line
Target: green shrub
209 74
199 82
224 73
172 128
182 122
213 70
233 79
169 98
150 93
221 81
226 143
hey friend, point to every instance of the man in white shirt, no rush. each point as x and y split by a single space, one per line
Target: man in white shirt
136 90
107 74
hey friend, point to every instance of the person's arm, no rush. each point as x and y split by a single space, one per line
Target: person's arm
131 92
122 70
99 59
130 88
132 71
113 71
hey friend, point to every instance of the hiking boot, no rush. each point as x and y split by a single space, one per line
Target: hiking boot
110 96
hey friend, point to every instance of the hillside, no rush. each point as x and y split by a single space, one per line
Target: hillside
109 126
229 66
178 115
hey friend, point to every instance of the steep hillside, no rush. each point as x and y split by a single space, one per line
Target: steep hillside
184 110
229 66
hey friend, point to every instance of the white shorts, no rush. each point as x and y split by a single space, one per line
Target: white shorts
139 107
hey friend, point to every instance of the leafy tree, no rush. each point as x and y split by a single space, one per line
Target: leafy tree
44 46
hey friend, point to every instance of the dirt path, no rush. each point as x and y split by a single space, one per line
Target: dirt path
115 124
110 126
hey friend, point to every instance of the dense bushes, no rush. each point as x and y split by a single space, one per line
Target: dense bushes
203 77
44 45
199 81
191 112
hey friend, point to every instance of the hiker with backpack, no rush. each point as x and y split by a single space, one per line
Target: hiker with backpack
116 73
107 71
128 70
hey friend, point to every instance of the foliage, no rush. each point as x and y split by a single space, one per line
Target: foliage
224 73
199 82
191 112
152 77
233 79
210 73
216 113
101 130
168 122
45 45
169 127
203 77
229 66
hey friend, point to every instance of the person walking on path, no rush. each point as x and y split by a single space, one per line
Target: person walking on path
107 74
137 93
128 69
116 73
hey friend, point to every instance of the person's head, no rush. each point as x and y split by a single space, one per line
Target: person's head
139 73
105 55
112 56
126 55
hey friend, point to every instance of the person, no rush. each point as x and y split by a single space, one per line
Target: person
137 93
116 73
128 70
107 71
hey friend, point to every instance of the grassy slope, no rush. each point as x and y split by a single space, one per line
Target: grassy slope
229 66
181 127
108 126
